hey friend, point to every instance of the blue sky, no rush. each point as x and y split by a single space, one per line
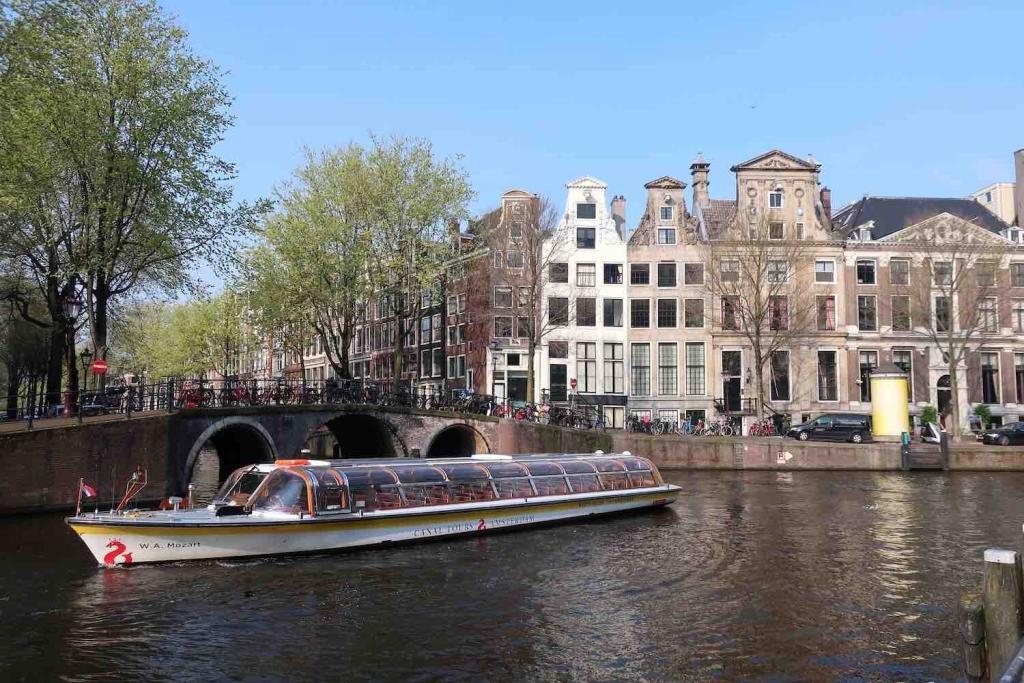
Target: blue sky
892 98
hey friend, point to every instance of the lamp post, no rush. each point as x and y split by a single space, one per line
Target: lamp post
71 306
86 357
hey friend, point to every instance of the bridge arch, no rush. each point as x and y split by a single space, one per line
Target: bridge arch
237 441
457 441
364 435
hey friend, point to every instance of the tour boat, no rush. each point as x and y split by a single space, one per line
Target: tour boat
304 506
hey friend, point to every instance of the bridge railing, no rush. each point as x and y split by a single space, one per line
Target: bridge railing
174 393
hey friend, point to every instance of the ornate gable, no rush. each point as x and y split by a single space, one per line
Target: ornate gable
666 182
776 159
587 182
945 229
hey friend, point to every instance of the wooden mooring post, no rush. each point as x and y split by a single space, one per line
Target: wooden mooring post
991 624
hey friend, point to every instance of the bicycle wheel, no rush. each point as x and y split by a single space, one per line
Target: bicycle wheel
659 427
727 430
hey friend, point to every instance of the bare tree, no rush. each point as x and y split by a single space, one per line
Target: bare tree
760 281
525 251
955 300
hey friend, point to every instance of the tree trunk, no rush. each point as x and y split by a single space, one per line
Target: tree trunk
532 346
760 390
55 366
13 384
399 354
346 340
954 400
100 328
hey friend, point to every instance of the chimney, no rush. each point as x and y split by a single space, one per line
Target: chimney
1018 187
699 172
619 214
826 201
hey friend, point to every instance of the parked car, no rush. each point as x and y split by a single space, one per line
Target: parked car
1012 433
834 427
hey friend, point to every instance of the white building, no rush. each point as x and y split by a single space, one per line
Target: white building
584 347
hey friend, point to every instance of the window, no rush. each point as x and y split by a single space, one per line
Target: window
666 214
988 319
585 238
425 364
558 349
943 314
776 230
586 367
502 326
778 271
778 313
613 273
436 330
1017 274
640 370
524 297
899 272
780 376
452 304
438 362
942 273
1018 372
825 271
639 273
515 229
730 313
828 382
985 271
614 417
693 313
424 331
693 273
666 312
867 314
868 363
515 259
586 312
613 369
453 331
668 370
523 326
730 271
496 259
462 303
666 275
558 310
639 313
695 369
799 231
865 272
775 199
900 313
557 381
558 272
586 275
1017 315
613 312
666 235
586 210
904 360
503 297
989 377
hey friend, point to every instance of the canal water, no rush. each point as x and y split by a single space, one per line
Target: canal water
783 576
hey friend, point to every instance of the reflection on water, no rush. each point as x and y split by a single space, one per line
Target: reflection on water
809 576
205 476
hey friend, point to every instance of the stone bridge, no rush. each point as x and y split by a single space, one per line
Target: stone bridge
42 466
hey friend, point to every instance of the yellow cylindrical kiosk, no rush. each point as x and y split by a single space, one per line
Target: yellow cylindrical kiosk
890 411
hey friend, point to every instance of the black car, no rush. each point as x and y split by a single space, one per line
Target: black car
1012 433
834 427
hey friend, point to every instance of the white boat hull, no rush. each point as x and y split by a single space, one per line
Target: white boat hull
166 537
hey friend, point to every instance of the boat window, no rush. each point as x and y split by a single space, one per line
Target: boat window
410 475
285 490
510 487
373 489
468 483
330 495
584 483
540 469
577 467
608 465
418 495
551 486
239 486
613 475
500 470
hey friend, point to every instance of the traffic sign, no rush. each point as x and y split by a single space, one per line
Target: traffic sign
572 383
99 367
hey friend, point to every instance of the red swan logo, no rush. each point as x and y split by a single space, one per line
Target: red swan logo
481 526
118 548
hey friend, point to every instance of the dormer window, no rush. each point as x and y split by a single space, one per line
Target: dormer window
586 210
666 214
864 234
775 198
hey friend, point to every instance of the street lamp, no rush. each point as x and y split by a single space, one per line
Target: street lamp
86 356
72 306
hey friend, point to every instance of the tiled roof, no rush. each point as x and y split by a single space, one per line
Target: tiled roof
719 215
889 215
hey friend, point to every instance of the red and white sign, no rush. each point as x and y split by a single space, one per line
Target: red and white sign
99 367
572 383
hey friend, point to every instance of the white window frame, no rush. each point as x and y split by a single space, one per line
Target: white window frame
874 271
661 213
833 273
817 378
666 231
776 194
657 311
704 315
773 275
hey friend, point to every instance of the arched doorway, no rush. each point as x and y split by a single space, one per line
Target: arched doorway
222 449
357 436
943 395
456 441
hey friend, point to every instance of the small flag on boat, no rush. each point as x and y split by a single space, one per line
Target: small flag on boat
88 491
